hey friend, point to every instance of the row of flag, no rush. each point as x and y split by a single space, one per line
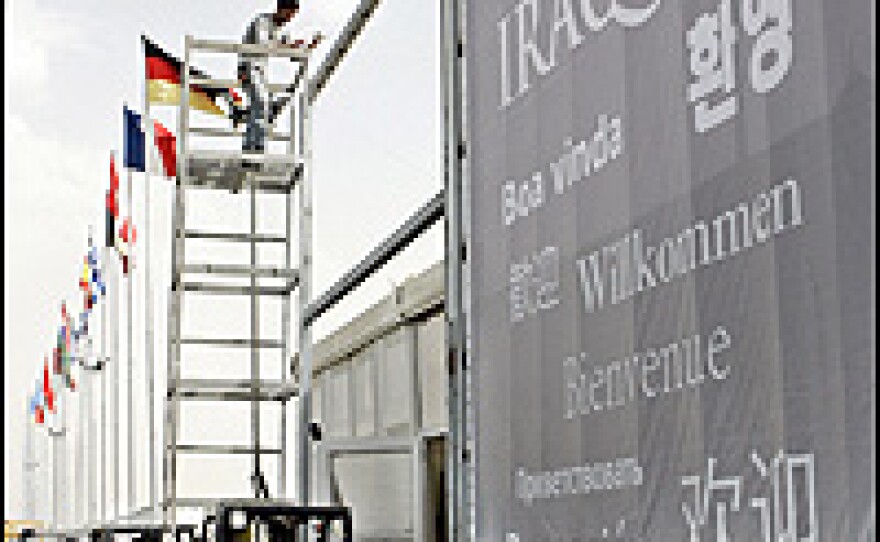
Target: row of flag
163 82
58 371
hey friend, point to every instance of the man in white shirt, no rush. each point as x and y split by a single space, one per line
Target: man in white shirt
252 70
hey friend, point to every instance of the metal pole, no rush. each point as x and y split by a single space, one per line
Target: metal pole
79 492
91 475
90 465
84 351
175 312
452 51
448 46
131 456
104 368
64 493
27 471
285 312
45 460
57 486
419 474
305 274
44 472
255 336
41 464
353 28
148 301
27 513
116 371
167 438
54 483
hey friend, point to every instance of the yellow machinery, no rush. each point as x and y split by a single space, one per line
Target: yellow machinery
12 527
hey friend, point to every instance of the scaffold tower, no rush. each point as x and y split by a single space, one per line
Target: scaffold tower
253 177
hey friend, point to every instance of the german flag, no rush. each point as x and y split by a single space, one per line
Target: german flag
164 80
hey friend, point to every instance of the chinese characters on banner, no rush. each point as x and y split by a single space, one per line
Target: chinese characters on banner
787 514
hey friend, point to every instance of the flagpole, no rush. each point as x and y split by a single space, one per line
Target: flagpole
54 484
80 456
148 302
64 475
44 470
27 471
87 447
113 330
93 433
116 372
132 457
54 455
90 413
84 404
104 369
62 444
57 486
25 466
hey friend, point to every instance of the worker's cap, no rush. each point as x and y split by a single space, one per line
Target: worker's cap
288 4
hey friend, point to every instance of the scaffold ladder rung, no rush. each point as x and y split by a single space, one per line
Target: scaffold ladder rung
222 132
239 270
231 83
225 449
204 155
259 343
235 395
269 184
219 383
236 237
226 289
244 390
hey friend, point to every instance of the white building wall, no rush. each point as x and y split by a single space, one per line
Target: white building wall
383 376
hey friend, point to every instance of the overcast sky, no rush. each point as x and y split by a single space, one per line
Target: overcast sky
70 66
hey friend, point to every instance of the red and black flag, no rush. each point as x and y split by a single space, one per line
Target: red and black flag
125 243
112 205
164 81
48 392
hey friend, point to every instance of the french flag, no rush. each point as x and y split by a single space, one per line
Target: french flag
134 145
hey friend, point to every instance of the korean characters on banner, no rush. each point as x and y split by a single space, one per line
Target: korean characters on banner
712 47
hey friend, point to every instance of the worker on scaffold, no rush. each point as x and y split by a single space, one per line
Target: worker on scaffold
261 112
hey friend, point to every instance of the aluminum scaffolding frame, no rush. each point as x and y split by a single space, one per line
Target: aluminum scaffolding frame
264 173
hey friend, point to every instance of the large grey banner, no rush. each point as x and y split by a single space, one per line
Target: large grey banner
672 269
